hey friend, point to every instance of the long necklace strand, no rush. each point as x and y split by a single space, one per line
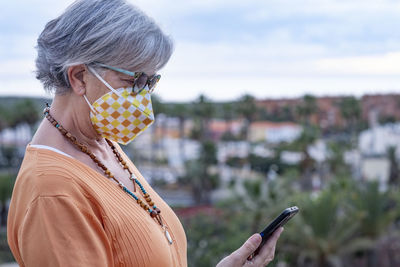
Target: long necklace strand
154 213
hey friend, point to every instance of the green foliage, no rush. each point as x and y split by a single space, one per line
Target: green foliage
199 176
6 186
158 106
285 113
15 111
5 252
210 237
228 111
335 158
9 156
203 111
307 108
203 108
394 175
208 154
228 136
236 162
247 107
387 119
344 219
263 165
350 109
373 208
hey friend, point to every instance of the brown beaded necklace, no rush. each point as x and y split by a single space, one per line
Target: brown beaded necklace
154 213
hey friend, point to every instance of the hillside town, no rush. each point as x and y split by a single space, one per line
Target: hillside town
369 124
202 157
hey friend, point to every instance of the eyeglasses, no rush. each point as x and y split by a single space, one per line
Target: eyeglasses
141 79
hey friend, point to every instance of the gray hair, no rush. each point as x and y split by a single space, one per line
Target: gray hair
111 32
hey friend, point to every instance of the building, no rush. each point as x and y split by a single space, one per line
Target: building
376 168
274 132
377 140
329 114
217 128
387 106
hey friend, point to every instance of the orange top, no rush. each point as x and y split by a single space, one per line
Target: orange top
64 213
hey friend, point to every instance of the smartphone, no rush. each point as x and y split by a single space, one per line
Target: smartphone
279 221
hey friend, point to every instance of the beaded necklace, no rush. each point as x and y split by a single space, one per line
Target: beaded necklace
154 213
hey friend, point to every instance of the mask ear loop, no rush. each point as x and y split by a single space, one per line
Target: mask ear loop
90 105
102 80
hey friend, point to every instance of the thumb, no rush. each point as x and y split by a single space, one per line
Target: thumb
248 247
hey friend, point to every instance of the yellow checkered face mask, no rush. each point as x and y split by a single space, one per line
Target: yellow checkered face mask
121 115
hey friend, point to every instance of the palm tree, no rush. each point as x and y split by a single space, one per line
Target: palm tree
203 111
350 109
182 112
272 196
344 219
337 165
228 114
246 107
376 213
198 174
325 230
307 164
159 108
307 109
394 166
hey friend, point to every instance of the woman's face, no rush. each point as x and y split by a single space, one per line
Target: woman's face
95 88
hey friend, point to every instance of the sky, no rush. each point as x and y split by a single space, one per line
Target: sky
226 48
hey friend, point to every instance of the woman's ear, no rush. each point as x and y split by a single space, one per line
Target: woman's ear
76 76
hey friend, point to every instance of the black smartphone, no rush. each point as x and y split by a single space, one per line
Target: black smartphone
279 221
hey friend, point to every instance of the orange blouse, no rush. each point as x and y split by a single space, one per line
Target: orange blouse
64 213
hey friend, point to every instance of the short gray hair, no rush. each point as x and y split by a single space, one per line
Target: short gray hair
111 32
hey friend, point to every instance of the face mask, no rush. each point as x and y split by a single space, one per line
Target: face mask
121 115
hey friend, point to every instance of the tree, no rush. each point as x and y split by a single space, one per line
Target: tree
4 120
228 114
24 111
248 110
157 104
158 108
307 109
182 112
350 109
319 234
337 165
203 111
198 174
307 164
6 187
375 214
394 178
4 115
334 227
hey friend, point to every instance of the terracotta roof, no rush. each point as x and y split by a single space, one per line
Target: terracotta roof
270 124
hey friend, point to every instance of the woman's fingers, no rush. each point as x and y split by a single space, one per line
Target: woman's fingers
238 258
247 248
267 252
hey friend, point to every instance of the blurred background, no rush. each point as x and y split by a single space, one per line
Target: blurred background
264 105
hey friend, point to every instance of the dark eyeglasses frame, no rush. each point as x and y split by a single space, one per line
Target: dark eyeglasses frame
150 81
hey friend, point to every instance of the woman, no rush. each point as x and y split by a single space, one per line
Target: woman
78 200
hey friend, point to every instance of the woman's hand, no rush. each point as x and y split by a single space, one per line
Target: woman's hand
238 258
